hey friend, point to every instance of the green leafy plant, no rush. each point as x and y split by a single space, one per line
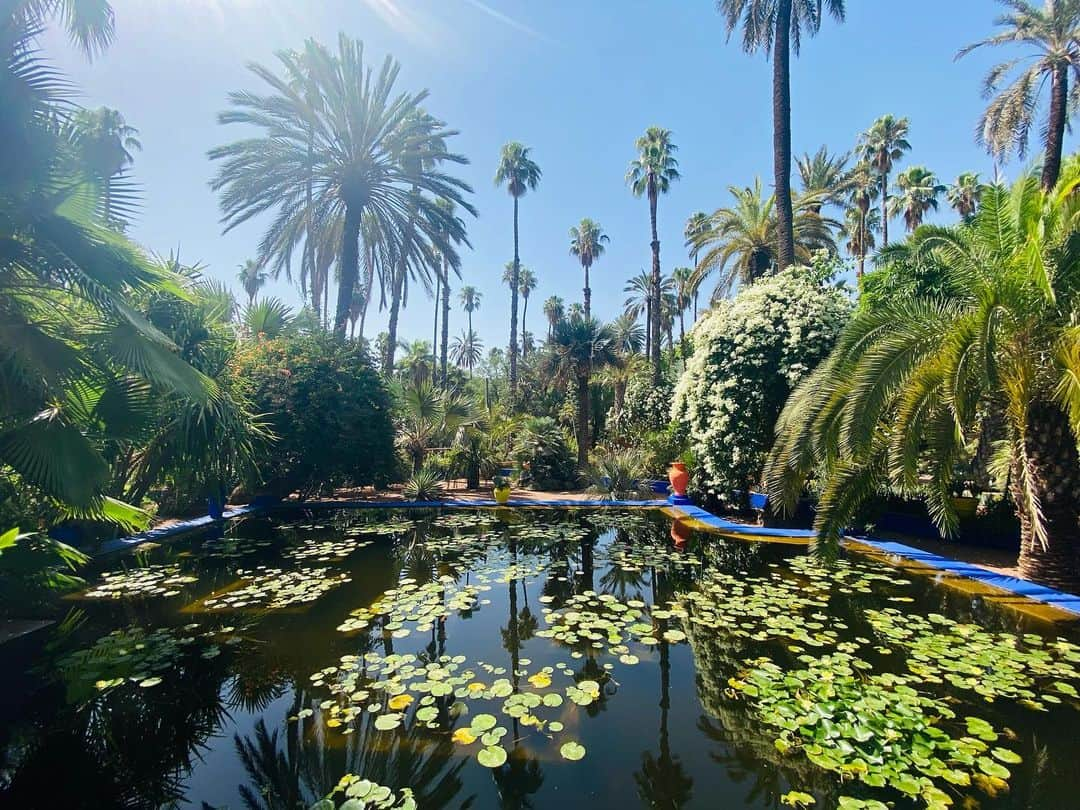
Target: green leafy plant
33 568
426 484
618 475
750 351
329 409
544 458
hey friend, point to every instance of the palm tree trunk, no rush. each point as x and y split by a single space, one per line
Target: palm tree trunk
435 328
326 292
350 267
309 242
682 330
884 209
695 305
1054 470
648 326
369 283
782 134
513 310
398 287
588 294
1055 130
445 324
524 312
654 318
620 395
583 421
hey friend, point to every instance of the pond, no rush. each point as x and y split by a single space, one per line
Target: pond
530 658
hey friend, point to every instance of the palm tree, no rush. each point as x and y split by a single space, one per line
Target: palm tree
356 311
682 280
651 174
554 311
1052 36
466 351
640 301
628 338
445 278
863 189
749 233
859 229
777 27
587 240
917 193
470 301
89 25
371 152
106 144
696 225
882 145
824 176
270 318
579 346
252 277
911 384
520 174
526 284
964 194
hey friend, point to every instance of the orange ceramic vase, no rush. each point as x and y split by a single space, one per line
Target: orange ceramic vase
679 478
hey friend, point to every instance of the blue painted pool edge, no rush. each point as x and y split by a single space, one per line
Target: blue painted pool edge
1019 587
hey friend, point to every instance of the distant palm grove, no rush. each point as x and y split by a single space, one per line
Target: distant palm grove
851 334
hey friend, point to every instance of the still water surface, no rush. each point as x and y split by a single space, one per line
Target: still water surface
565 659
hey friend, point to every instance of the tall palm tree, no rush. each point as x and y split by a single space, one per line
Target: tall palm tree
696 224
682 280
863 190
587 240
466 350
825 176
520 174
252 278
628 339
579 347
777 28
106 144
371 152
882 145
445 278
90 24
1051 36
964 194
917 193
640 301
749 233
526 284
470 301
651 174
554 311
911 384
859 229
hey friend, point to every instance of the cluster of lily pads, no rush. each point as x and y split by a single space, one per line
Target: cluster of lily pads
326 550
228 547
1028 669
876 728
354 793
135 655
396 526
439 693
603 622
274 589
151 580
464 520
410 602
551 532
604 519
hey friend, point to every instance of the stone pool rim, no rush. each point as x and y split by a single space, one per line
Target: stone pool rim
1036 600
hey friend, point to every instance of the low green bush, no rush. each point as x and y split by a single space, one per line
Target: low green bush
545 458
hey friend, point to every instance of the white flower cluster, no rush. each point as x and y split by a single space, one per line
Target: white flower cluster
750 351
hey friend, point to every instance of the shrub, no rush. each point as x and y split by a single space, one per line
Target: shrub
426 484
618 475
646 408
329 410
544 457
661 447
750 351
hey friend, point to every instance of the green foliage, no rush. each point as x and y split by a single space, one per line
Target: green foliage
426 484
329 409
618 474
908 387
749 354
646 408
33 567
544 457
661 447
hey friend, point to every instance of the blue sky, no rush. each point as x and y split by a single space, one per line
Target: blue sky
577 80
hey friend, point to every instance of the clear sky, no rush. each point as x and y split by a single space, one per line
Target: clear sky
577 80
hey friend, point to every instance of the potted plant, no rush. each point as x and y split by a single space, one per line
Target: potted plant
502 489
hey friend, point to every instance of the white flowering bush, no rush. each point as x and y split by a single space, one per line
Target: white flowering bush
750 351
